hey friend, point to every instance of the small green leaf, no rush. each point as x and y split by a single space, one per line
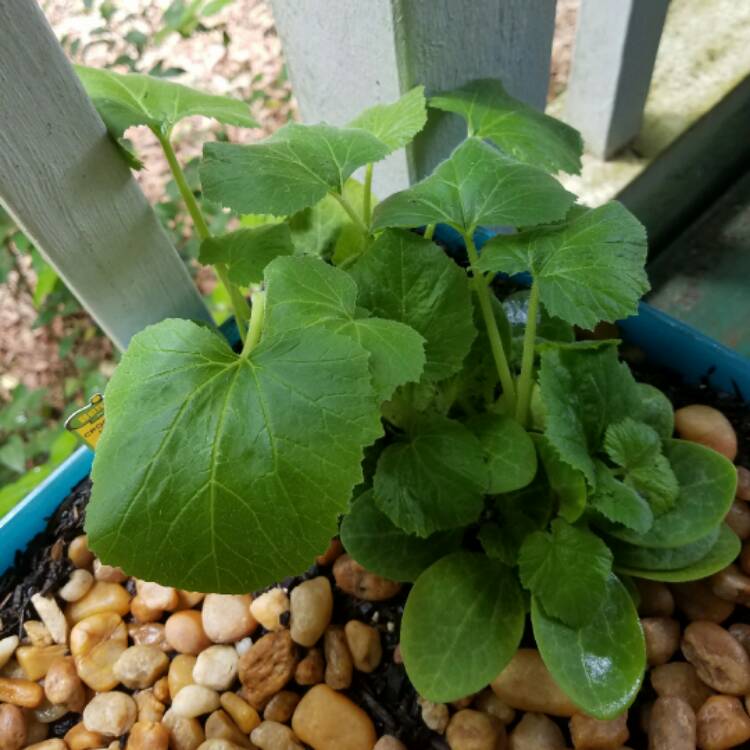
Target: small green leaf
477 185
631 444
566 570
707 483
525 133
589 268
293 169
724 551
247 252
13 455
657 483
601 665
655 409
583 391
219 460
395 124
373 541
567 483
127 99
508 450
409 279
432 480
462 623
305 292
619 503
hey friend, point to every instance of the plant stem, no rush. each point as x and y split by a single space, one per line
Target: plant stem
351 212
367 199
496 343
429 231
257 314
525 381
239 304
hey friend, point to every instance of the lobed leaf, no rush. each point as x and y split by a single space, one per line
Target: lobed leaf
522 131
462 623
432 480
247 252
395 124
589 269
374 542
409 279
293 169
566 570
251 502
618 502
601 665
476 185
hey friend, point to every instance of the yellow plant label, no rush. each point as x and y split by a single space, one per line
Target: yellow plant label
88 422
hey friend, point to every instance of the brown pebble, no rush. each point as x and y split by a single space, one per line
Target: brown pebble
61 681
741 631
184 734
36 661
101 597
148 735
738 519
722 723
656 599
97 642
311 669
150 708
435 716
19 692
698 602
589 733
719 659
339 664
536 732
12 727
267 667
364 645
334 551
355 580
184 632
680 680
242 713
219 726
144 614
707 426
743 483
281 707
79 553
311 607
473 730
389 742
270 735
80 738
662 639
732 585
488 702
161 690
671 725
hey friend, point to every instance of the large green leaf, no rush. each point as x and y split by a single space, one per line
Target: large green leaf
662 559
583 391
525 133
588 269
567 483
247 252
462 623
432 480
599 666
305 292
723 552
127 99
508 450
567 570
293 169
374 542
707 483
395 124
406 278
217 491
477 185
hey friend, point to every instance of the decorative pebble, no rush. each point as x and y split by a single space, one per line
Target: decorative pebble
707 426
140 667
61 681
219 726
536 732
149 634
364 645
55 744
389 742
328 720
195 700
101 597
80 738
743 483
720 661
79 553
242 713
52 616
148 735
161 690
267 667
97 642
35 730
731 584
185 633
741 631
8 646
656 600
311 607
269 607
680 680
333 552
110 713
435 716
142 613
339 664
12 727
589 733
671 725
156 596
77 586
352 578
474 730
488 702
37 633
270 735
180 673
184 734
217 744
36 660
108 573
243 646
19 692
311 669
281 707
526 684
738 519
722 723
150 708
216 667
697 601
227 618
662 636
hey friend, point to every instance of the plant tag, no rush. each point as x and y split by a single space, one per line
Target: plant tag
88 422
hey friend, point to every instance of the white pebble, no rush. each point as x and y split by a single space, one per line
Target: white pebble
52 616
268 608
195 700
8 647
111 713
216 667
244 645
77 586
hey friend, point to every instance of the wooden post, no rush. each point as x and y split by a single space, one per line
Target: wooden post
348 55
64 182
614 56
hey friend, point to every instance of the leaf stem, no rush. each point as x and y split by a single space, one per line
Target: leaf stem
367 199
257 315
496 343
351 212
239 304
429 231
525 380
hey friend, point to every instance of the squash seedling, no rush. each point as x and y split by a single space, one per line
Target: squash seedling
500 467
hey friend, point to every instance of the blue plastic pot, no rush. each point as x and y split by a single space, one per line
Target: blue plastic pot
667 342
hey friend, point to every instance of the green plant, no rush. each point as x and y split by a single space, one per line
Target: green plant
500 467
